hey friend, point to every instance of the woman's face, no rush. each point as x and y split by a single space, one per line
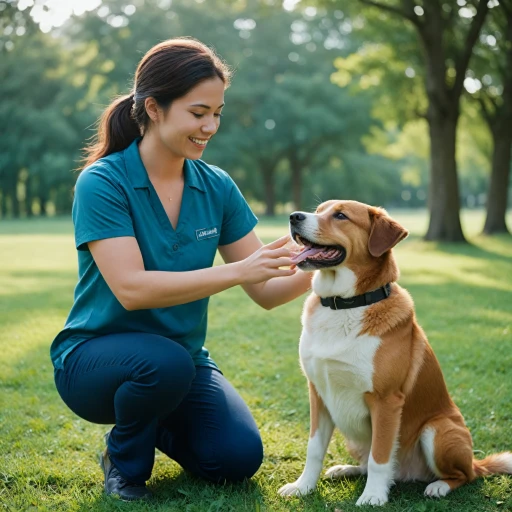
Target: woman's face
192 120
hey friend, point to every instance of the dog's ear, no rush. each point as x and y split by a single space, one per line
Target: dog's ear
385 232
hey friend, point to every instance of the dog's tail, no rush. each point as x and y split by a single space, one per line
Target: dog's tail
498 463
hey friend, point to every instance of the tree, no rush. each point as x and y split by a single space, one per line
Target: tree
448 34
494 70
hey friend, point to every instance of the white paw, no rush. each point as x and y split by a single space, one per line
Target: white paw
372 498
437 489
343 471
295 489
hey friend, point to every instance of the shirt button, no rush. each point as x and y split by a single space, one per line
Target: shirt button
175 247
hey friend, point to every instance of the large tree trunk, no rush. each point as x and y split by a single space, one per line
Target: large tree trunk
444 202
500 125
268 184
498 188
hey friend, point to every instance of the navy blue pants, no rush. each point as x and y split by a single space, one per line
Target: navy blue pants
148 386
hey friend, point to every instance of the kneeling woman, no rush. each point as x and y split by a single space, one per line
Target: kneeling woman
149 217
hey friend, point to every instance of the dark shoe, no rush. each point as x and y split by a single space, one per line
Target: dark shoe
116 484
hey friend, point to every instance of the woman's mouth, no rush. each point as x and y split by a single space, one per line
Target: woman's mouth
200 143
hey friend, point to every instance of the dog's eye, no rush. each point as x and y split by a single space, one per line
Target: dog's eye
340 216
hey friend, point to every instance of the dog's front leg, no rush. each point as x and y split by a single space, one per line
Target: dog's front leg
321 429
385 414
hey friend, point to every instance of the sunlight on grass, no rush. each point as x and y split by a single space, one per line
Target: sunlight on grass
48 456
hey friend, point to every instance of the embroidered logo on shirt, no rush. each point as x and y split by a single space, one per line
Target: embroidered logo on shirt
204 233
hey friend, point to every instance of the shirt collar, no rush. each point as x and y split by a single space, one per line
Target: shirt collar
138 176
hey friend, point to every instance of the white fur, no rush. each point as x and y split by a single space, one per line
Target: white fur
380 478
427 445
329 283
309 226
437 489
317 446
344 470
338 360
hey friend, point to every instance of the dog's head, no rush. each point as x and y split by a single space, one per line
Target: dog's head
342 233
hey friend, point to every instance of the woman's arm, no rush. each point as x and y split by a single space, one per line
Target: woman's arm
120 263
277 290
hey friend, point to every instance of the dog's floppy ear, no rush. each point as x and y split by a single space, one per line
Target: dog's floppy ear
385 232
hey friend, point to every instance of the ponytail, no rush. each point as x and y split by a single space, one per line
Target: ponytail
117 129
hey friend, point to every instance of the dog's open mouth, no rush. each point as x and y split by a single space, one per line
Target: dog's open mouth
317 255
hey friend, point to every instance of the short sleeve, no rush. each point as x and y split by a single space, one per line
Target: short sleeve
238 218
100 208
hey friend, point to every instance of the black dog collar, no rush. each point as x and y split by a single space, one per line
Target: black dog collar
359 300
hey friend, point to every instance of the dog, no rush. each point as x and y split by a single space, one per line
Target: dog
370 368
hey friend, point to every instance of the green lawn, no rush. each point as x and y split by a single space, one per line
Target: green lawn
48 456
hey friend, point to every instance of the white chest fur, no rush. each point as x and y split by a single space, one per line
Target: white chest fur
337 359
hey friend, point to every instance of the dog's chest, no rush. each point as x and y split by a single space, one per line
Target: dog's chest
339 362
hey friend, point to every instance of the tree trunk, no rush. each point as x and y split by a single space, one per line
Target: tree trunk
498 188
495 221
10 191
3 204
444 201
296 169
268 183
29 197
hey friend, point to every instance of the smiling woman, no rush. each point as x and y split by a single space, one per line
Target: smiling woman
149 216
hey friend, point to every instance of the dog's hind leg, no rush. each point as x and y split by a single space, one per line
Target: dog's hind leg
321 430
358 452
448 450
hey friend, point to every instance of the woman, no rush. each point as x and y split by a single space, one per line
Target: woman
149 217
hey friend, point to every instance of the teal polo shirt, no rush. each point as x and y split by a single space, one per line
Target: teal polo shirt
114 197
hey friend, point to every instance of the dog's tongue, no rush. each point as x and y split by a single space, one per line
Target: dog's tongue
306 253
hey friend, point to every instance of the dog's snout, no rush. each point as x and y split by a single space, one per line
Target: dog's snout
297 217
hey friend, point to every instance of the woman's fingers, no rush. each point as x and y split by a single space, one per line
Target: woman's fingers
282 262
276 244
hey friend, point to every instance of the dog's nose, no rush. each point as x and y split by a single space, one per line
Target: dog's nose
297 217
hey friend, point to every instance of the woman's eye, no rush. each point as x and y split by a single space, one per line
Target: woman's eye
198 116
218 115
340 216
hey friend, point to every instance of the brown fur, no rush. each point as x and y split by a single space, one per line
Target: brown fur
315 407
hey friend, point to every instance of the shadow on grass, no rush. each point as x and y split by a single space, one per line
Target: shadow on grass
183 493
483 249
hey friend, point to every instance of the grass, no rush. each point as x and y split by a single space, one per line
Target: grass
48 456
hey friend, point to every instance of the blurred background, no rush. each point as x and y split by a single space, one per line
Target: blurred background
398 103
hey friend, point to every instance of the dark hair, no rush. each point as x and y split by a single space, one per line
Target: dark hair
167 72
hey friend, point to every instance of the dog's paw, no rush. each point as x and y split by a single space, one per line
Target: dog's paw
437 489
295 489
372 498
341 471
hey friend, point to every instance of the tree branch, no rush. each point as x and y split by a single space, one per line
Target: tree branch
462 62
394 10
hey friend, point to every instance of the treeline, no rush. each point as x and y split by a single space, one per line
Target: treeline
325 101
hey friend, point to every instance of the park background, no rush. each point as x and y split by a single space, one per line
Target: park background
405 104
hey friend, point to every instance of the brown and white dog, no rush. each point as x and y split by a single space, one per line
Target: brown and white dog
371 370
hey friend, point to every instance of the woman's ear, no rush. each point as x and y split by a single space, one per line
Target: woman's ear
152 109
385 232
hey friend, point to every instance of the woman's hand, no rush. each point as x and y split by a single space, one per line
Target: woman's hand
266 262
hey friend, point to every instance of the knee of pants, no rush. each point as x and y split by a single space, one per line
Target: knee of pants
169 372
236 461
